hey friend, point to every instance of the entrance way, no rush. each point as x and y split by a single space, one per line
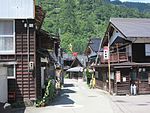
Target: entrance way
3 84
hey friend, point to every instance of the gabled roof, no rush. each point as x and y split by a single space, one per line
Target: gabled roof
76 62
132 27
94 44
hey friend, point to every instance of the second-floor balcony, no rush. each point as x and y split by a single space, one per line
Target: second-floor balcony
116 57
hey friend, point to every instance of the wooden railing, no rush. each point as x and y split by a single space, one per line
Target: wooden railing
116 57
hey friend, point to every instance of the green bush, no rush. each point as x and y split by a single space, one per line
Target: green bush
49 94
88 73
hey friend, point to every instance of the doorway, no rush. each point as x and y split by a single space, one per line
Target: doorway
3 85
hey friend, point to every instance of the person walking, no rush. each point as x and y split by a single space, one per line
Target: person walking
92 82
133 89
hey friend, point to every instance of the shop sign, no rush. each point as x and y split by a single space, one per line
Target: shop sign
118 76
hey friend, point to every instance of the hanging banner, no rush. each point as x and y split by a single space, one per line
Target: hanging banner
106 53
118 76
124 79
148 78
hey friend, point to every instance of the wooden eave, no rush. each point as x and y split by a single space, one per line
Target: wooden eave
124 64
110 28
39 16
88 48
87 51
76 62
46 34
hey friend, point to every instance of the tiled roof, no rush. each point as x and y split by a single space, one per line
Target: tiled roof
94 44
132 27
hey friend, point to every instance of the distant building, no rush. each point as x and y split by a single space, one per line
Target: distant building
92 50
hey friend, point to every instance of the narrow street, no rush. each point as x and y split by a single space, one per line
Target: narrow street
76 97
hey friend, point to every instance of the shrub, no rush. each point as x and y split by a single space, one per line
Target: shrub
49 94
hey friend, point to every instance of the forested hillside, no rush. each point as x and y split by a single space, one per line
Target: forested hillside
142 7
78 20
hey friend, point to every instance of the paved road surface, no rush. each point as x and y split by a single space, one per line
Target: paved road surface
76 97
132 104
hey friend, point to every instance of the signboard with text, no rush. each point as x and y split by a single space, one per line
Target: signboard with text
106 53
118 76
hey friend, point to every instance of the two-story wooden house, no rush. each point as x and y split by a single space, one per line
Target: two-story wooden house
25 49
128 40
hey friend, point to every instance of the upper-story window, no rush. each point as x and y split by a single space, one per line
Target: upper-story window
7 36
147 49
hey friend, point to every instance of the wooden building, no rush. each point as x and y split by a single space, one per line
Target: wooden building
92 49
128 40
93 52
23 45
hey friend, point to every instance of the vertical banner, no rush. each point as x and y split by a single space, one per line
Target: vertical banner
118 76
148 78
106 53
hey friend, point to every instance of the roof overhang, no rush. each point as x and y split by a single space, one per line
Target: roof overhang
124 65
39 16
8 63
119 39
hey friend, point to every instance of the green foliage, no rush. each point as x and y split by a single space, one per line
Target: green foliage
142 7
77 20
88 73
49 94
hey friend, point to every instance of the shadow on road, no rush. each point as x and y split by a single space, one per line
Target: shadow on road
68 85
120 101
2 110
66 91
17 110
63 97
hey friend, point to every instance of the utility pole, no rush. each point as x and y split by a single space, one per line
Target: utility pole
106 55
109 80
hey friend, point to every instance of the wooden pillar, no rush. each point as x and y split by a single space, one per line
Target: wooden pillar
117 53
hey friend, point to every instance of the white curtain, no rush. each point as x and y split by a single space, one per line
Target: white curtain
6 28
6 43
147 49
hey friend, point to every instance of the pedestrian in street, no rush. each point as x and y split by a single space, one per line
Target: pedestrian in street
92 82
133 88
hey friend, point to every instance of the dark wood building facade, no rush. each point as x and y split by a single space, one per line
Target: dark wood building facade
23 45
129 45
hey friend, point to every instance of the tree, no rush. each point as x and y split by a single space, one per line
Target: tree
80 19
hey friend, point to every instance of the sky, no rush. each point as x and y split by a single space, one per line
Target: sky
145 1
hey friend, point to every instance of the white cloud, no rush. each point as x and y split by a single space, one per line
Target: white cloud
144 1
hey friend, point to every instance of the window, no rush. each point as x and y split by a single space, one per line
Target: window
133 75
147 49
143 76
7 37
11 71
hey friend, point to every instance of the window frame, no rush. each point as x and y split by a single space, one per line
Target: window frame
2 52
13 77
147 50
